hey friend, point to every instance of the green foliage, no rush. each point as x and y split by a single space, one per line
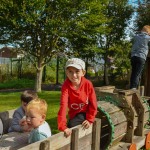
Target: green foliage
12 101
42 30
143 15
90 74
84 28
118 13
17 84
121 61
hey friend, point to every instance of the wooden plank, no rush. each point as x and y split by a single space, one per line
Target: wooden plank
118 117
66 147
135 121
128 99
104 89
85 142
146 116
138 140
100 102
87 147
6 118
1 128
147 78
118 139
96 135
142 89
120 129
106 96
63 141
13 140
74 139
145 107
121 146
147 98
44 145
127 92
130 126
54 144
108 107
140 110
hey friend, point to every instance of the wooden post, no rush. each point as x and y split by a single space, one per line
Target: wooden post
141 90
44 145
96 135
147 77
140 110
74 139
126 96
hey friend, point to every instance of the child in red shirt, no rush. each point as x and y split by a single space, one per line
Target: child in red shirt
78 96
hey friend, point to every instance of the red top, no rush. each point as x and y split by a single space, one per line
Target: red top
81 100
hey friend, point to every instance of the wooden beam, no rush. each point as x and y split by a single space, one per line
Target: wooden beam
96 135
147 77
44 145
74 139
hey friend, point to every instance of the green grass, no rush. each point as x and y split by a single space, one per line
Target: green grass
11 100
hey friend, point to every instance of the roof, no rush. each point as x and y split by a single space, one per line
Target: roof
8 52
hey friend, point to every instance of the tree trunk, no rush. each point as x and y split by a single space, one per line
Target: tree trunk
57 71
38 82
44 74
86 66
106 80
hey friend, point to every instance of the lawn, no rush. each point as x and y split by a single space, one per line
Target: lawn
11 100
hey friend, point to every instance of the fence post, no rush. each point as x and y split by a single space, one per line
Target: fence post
45 145
74 139
141 90
96 131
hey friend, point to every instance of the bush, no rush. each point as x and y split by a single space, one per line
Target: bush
17 84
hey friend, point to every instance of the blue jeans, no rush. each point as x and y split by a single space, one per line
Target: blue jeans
77 120
137 64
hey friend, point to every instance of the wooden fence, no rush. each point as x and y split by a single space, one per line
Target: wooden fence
80 139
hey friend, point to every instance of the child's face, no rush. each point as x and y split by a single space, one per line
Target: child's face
74 74
34 118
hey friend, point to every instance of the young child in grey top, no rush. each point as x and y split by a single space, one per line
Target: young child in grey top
139 54
18 123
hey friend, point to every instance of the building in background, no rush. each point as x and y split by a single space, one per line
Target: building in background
6 53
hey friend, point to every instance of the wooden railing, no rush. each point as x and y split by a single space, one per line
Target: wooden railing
88 139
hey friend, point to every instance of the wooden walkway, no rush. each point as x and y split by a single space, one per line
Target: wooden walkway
13 141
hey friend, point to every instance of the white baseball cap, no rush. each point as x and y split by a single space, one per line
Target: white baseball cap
75 62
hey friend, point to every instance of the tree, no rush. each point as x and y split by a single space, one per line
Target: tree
122 59
83 35
143 15
119 13
39 28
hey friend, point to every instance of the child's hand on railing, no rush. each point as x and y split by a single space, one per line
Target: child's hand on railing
67 132
86 124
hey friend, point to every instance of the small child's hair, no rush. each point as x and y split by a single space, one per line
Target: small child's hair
146 28
39 104
28 95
